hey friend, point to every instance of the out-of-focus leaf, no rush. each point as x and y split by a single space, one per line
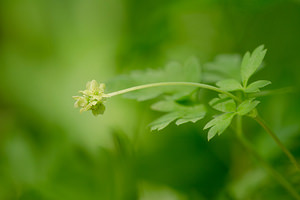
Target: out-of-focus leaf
255 86
219 124
223 104
247 106
225 66
251 62
173 72
182 114
165 106
229 85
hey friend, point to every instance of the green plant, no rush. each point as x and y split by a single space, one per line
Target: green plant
177 87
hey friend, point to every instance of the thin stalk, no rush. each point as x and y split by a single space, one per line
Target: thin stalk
200 85
260 121
281 180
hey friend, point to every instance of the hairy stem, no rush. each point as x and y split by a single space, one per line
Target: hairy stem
278 142
199 85
281 180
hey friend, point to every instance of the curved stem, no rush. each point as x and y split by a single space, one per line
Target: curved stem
260 121
200 85
281 180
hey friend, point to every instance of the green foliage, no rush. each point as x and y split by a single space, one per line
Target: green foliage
249 65
145 87
226 105
223 104
173 72
226 66
49 49
229 85
247 106
255 86
181 113
251 62
219 124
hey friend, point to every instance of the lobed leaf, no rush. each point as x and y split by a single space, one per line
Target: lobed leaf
164 121
247 106
219 124
255 86
190 117
251 62
176 112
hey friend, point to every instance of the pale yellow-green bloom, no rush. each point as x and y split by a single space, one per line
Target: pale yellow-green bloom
92 98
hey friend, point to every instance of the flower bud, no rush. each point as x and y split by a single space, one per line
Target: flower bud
92 98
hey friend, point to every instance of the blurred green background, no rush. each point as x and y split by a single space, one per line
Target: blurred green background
50 49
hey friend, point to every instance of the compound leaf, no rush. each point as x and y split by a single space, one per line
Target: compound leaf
176 112
251 62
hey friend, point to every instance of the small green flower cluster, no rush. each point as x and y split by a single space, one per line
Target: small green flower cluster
92 98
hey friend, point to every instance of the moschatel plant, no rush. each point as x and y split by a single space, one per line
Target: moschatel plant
176 86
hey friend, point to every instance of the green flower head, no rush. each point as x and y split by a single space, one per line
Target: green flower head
92 98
